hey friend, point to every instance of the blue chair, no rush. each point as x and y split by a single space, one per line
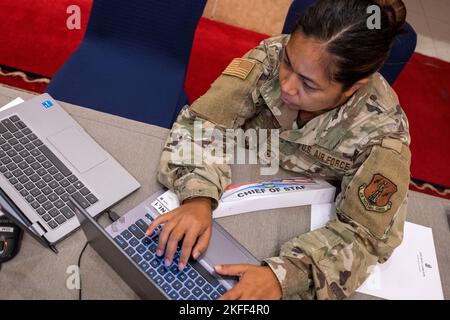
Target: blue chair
133 59
402 50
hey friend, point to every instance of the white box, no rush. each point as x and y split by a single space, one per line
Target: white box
274 194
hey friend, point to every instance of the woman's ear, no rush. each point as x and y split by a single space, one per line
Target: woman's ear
356 87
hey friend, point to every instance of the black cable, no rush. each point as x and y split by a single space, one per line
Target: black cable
111 215
79 268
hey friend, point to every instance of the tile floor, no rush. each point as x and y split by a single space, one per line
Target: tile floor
431 20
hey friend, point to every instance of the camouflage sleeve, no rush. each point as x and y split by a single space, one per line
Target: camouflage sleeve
195 161
183 168
332 262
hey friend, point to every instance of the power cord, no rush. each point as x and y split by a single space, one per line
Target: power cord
79 267
113 216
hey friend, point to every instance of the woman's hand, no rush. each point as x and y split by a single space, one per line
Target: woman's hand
255 282
191 221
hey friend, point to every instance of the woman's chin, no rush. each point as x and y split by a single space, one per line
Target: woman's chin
293 107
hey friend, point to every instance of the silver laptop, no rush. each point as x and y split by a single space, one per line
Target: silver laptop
131 254
45 157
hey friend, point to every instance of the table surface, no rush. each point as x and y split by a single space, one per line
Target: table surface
38 273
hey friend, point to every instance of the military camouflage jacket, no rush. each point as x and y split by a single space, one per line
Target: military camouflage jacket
364 144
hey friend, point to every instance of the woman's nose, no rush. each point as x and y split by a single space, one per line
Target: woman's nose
289 85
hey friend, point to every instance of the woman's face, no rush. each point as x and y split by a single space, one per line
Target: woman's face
305 84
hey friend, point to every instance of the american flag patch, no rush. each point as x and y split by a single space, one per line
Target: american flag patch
240 68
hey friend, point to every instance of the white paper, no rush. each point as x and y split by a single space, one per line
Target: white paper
412 272
13 103
166 202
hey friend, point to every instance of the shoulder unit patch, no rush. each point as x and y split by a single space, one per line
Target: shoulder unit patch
377 194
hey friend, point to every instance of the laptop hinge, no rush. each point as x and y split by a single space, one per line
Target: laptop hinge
40 230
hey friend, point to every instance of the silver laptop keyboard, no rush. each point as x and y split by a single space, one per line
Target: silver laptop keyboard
38 175
193 283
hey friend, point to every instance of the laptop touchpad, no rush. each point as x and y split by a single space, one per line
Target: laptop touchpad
78 148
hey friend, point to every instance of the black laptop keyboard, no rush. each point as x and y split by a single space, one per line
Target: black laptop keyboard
193 283
38 175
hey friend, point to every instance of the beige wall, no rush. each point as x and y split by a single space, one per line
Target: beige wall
264 16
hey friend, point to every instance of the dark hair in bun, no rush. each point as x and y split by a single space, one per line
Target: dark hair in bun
396 12
356 50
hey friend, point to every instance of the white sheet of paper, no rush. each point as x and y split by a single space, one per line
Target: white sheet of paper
13 103
412 272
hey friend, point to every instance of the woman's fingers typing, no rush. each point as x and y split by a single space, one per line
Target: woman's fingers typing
159 221
175 236
202 243
190 223
188 243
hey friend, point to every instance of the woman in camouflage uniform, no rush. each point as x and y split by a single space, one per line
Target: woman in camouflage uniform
338 119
